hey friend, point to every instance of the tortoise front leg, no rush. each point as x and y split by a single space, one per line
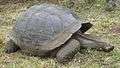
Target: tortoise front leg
11 47
66 53
88 41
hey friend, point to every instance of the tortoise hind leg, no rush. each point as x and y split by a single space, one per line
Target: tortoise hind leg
11 47
67 52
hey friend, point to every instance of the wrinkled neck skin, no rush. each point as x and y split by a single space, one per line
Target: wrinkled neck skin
88 41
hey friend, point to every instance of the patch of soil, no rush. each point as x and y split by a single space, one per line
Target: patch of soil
116 29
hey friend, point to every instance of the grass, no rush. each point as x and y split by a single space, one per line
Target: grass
103 23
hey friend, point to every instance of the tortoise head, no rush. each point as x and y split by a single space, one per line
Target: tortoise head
107 47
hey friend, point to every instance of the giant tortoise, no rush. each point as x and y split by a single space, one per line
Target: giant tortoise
51 30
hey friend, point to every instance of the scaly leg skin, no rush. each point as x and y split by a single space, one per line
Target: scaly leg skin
66 53
11 47
89 41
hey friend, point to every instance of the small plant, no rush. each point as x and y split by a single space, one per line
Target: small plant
111 4
90 1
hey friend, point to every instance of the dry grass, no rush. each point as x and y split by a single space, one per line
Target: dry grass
103 23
